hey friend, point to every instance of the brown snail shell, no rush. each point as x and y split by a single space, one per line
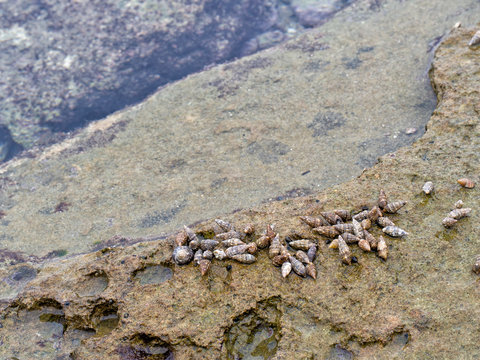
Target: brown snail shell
331 217
371 239
225 225
344 251
448 222
227 235
344 214
427 187
312 252
270 233
350 238
249 229
263 241
181 239
280 259
182 255
314 221
393 207
311 270
466 183
366 224
208 244
219 254
394 231
298 267
334 244
190 233
275 247
382 249
232 242
236 250
244 258
476 266
360 216
303 244
374 214
302 256
204 266
286 268
198 256
341 228
364 245
457 214
382 199
384 221
328 231
252 248
357 229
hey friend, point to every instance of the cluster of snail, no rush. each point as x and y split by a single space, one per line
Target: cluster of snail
238 245
333 225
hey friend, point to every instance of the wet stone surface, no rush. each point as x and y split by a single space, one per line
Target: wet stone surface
156 274
421 302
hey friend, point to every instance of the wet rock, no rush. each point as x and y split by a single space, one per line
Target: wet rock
65 63
372 309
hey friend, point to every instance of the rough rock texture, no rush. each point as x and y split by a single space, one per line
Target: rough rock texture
285 122
64 63
421 303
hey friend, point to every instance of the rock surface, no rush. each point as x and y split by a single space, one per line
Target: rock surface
421 303
306 115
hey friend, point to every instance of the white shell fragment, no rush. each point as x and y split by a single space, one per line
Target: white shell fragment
475 41
448 222
394 231
286 268
219 254
244 258
427 187
459 204
459 213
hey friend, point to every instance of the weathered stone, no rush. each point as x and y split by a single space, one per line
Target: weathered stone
382 306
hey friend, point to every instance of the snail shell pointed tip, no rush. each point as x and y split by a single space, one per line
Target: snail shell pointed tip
475 40
466 183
